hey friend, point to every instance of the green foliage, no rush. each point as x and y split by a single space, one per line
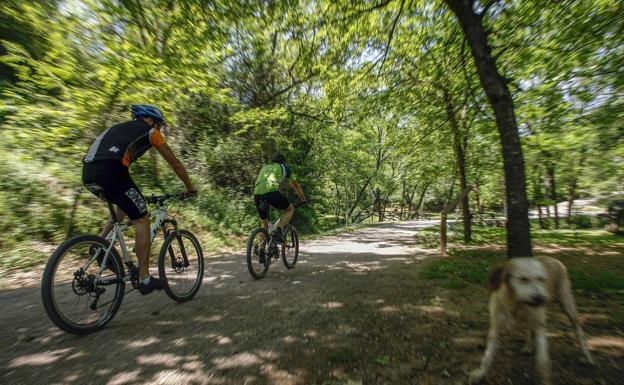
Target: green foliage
370 103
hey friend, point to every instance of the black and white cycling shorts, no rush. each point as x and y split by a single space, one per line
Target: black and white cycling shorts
110 180
275 199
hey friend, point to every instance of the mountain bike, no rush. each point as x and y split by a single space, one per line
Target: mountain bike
263 250
84 280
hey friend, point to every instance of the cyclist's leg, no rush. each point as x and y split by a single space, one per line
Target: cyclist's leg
109 225
121 190
130 200
286 216
142 245
263 212
102 178
281 202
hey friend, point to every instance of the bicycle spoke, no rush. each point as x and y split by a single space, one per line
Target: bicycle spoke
181 263
71 285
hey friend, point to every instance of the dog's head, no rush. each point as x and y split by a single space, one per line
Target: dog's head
525 278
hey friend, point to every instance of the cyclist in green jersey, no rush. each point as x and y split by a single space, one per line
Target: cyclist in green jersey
267 188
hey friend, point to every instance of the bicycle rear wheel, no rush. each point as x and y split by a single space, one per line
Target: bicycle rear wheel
290 250
258 258
75 296
181 265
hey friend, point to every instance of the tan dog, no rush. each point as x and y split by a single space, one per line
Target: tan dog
521 290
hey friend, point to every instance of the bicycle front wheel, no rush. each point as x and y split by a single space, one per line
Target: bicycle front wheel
290 250
77 296
258 258
181 265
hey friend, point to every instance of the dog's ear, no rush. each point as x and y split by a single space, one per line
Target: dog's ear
498 275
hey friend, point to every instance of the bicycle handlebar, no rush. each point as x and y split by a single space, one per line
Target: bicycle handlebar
161 199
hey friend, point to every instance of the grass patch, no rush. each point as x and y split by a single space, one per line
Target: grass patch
383 360
462 268
595 258
596 281
430 237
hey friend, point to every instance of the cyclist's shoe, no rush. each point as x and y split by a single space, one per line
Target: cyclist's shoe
259 252
154 284
277 235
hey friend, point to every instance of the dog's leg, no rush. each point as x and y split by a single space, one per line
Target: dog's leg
566 300
477 375
542 357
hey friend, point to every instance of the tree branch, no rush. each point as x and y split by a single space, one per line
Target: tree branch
394 24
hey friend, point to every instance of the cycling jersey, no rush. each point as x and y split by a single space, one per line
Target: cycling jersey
124 142
271 177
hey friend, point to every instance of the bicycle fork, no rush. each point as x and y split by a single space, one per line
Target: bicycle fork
174 262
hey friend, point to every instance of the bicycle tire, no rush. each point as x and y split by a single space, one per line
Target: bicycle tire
47 285
167 254
264 267
290 231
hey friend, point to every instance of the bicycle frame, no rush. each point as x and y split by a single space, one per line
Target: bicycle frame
161 218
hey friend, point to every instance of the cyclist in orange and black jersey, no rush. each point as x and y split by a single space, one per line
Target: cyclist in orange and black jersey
105 173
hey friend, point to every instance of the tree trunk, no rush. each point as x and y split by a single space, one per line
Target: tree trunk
461 164
541 217
410 200
495 87
420 200
380 215
403 195
337 206
450 205
443 233
550 170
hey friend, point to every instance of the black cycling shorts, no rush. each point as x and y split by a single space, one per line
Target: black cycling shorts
275 199
110 181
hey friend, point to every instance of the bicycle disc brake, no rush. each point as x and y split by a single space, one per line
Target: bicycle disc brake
83 283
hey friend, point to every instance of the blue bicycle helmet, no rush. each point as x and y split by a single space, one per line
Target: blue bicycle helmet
147 111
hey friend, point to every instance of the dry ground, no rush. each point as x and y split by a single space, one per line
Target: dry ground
355 310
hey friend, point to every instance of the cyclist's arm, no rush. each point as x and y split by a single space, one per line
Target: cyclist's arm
177 166
298 190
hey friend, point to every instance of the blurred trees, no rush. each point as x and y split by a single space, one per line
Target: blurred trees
379 106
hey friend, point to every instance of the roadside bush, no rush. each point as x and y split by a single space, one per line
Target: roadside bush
32 203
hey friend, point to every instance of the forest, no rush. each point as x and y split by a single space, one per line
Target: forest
386 110
437 140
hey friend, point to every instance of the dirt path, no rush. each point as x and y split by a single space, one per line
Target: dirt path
353 311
